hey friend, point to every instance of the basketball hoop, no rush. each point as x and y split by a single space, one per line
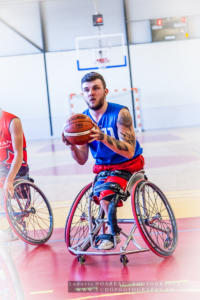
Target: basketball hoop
102 60
101 56
100 51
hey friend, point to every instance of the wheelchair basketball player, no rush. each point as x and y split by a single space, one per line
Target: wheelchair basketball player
13 158
114 147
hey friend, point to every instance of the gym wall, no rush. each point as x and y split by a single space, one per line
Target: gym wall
165 72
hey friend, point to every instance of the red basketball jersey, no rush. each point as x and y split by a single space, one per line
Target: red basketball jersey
6 148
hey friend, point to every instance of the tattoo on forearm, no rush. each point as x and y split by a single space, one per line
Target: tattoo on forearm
125 119
101 136
129 138
121 145
109 140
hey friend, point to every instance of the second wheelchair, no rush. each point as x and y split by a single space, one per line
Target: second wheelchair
29 213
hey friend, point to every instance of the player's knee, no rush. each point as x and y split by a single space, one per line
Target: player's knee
104 204
106 198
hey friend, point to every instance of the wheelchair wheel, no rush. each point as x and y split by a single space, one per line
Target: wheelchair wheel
29 213
77 224
154 218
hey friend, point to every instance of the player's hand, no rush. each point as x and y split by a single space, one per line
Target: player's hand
8 188
65 141
96 134
68 144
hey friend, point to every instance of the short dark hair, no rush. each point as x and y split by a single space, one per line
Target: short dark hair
93 76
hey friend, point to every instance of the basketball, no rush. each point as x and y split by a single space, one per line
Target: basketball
77 129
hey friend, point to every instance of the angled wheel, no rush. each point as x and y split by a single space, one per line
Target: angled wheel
29 213
154 218
77 224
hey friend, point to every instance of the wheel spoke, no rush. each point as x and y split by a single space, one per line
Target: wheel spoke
30 213
155 218
77 225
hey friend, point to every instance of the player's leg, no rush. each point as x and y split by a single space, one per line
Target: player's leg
109 202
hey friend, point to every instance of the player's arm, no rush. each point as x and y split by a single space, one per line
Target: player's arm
125 146
16 132
79 153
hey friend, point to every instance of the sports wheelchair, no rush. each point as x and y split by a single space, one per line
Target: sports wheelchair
29 212
153 221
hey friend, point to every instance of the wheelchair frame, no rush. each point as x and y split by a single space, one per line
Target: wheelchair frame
136 184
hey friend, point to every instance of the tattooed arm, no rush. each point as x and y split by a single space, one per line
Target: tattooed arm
125 146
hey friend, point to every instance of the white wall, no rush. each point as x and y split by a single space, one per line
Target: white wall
152 9
65 20
168 75
23 92
24 18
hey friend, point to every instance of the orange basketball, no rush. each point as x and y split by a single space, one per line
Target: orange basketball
77 129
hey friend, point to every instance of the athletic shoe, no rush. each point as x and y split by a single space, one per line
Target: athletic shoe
118 240
7 235
107 244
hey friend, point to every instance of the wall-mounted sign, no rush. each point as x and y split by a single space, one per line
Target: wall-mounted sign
169 29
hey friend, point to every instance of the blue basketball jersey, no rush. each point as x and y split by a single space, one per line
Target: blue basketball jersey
108 124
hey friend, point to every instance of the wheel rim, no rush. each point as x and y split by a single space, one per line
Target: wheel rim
156 219
30 214
77 223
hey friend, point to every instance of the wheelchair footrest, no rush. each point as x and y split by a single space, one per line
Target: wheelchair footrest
102 237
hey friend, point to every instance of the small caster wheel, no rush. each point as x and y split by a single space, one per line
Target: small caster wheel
123 259
81 259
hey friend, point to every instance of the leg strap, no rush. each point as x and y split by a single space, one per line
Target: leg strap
112 215
112 186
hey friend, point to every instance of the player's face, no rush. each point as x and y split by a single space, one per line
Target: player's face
94 94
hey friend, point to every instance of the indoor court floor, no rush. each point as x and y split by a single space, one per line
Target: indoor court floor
45 272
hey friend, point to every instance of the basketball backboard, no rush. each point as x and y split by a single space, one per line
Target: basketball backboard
100 51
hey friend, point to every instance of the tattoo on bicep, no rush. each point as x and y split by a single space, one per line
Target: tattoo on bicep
129 138
121 145
125 119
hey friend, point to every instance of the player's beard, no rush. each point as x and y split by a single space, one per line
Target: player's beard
98 105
